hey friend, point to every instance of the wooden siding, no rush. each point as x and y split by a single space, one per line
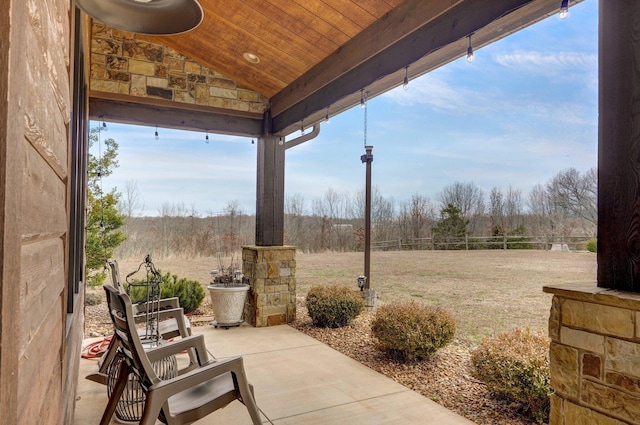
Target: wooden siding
35 362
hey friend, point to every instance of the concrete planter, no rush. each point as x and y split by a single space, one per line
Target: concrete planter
228 304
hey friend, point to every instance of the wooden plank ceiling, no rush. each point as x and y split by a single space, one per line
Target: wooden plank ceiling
317 55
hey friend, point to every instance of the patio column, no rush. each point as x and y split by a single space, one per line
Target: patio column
619 146
595 330
270 191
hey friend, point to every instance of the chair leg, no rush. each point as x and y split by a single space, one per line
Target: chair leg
246 395
121 382
152 407
109 355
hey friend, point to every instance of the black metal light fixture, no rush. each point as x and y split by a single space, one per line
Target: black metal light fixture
564 9
405 82
151 17
470 55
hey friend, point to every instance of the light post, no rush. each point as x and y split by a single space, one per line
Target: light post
369 295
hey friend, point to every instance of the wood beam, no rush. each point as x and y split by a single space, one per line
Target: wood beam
397 24
270 192
619 145
152 112
430 46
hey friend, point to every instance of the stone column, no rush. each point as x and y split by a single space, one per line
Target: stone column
595 356
271 272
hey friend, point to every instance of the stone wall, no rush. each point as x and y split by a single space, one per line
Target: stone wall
123 64
595 355
271 271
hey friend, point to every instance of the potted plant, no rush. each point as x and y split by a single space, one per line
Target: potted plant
228 295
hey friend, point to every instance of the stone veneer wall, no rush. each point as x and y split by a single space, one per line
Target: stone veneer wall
123 64
595 355
271 272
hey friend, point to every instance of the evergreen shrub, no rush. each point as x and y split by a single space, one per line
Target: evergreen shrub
412 331
333 306
515 367
190 293
592 245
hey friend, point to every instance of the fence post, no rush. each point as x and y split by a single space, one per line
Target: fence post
466 241
504 242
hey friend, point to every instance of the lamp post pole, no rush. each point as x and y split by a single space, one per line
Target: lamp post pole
367 159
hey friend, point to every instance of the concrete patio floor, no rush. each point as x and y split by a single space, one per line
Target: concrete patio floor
297 380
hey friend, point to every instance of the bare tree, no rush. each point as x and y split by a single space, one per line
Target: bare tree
576 193
513 209
295 230
130 203
468 199
496 209
416 217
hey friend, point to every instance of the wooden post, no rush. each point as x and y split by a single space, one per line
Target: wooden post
270 192
619 145
504 242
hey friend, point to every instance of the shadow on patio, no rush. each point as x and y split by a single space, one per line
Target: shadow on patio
297 380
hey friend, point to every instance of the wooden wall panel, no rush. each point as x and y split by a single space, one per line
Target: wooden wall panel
43 124
46 27
34 358
43 201
12 89
40 368
42 280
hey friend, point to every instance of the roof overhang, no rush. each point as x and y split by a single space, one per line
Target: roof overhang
415 35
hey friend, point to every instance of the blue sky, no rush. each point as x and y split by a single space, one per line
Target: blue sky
524 110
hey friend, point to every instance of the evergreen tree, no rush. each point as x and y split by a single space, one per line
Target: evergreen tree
103 219
450 229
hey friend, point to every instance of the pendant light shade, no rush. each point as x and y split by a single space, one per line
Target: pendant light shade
151 17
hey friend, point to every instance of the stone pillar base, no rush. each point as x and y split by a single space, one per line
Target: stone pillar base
271 272
595 355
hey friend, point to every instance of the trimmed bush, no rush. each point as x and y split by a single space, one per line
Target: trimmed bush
515 366
92 299
190 293
592 245
412 331
333 306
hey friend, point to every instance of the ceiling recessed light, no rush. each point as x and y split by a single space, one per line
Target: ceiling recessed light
251 57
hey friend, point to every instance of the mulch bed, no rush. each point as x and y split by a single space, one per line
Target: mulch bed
446 378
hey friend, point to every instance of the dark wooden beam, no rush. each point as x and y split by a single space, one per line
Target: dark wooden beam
395 25
154 112
435 43
270 192
619 146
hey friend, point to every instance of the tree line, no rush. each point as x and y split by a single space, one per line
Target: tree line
564 206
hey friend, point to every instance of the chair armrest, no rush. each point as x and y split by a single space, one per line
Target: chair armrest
163 304
141 316
175 347
198 376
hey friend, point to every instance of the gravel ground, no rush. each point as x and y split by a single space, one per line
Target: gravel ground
445 378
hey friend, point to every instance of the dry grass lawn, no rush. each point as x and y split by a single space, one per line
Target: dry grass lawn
488 291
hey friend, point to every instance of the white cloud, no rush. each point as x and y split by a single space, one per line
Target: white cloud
547 62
